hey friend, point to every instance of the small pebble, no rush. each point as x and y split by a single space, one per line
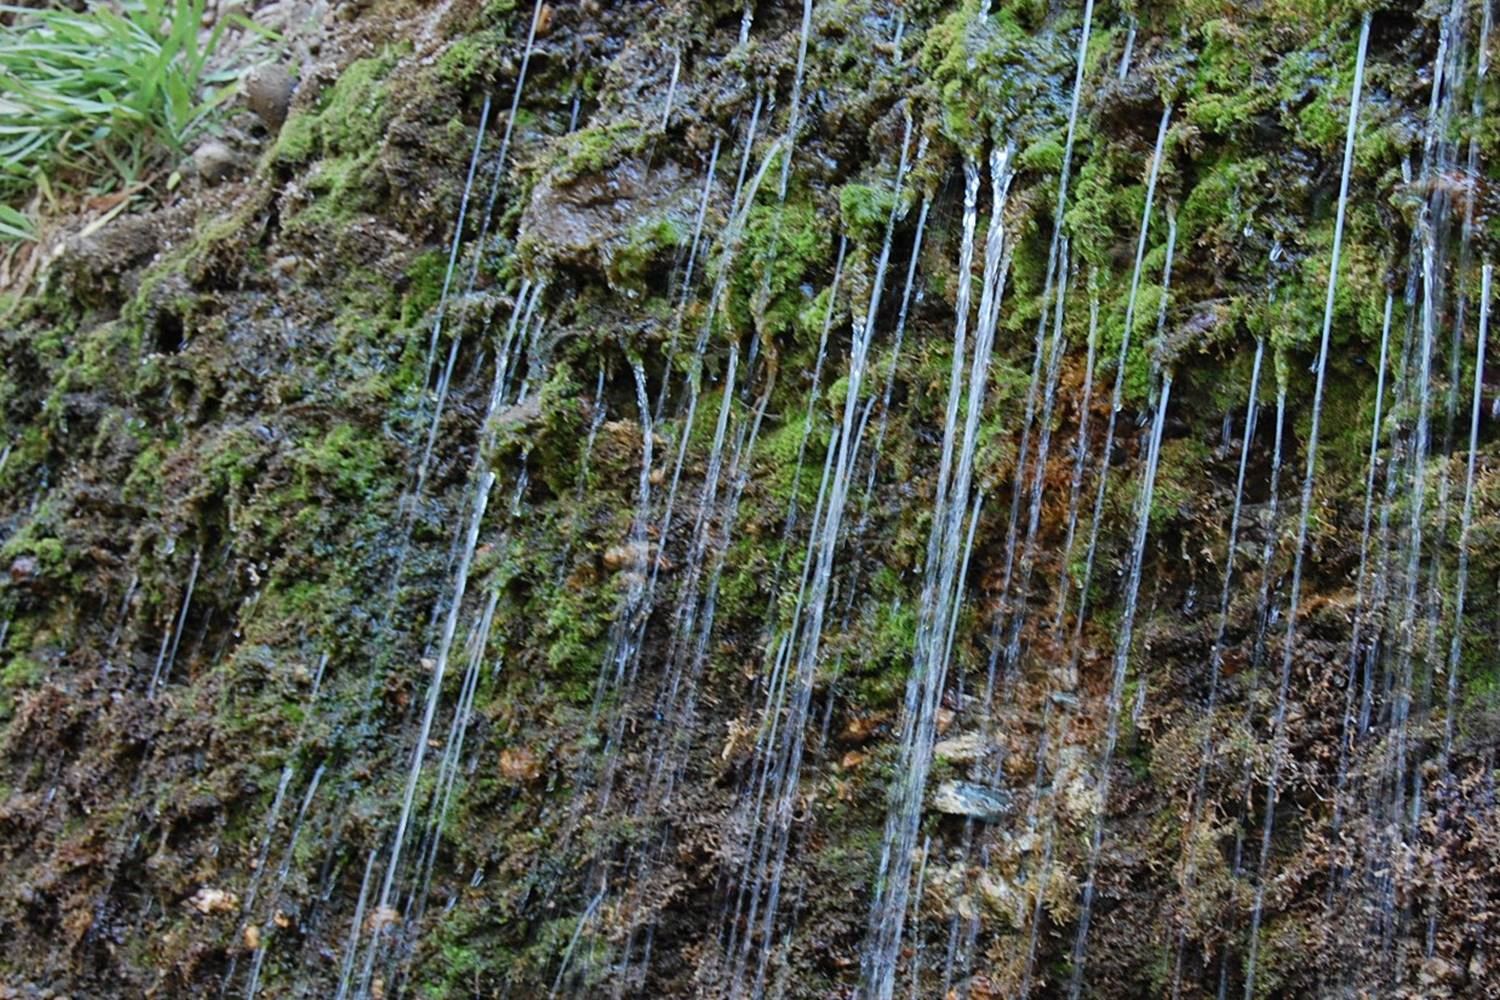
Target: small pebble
268 92
215 161
23 570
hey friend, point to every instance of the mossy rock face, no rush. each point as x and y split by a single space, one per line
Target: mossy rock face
248 440
623 221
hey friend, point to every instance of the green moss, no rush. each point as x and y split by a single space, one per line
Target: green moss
593 149
990 75
1226 199
1180 480
648 245
144 482
425 276
345 462
1043 157
783 245
1107 202
888 637
336 188
865 211
572 631
50 553
555 444
777 459
747 569
20 672
472 57
350 119
26 454
1228 90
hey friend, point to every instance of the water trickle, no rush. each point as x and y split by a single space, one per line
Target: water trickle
167 656
1080 461
283 872
351 947
1122 654
1466 521
1350 725
1265 614
795 117
789 524
124 613
1014 607
1125 631
1012 649
482 487
1215 666
694 245
795 688
666 115
1395 797
1461 582
896 343
946 553
1035 818
458 234
1124 69
449 765
1294 596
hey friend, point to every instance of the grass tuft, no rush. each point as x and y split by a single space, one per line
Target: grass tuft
96 99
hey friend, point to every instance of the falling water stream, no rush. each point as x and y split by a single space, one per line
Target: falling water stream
927 678
815 627
1295 593
1190 845
1143 513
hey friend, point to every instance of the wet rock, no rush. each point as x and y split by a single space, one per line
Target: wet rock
861 729
382 917
964 748
209 901
621 556
268 93
586 221
964 798
1063 699
215 161
517 417
23 570
103 261
1130 105
519 765
999 896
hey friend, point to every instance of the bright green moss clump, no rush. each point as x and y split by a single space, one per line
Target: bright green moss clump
647 245
592 149
350 118
783 246
993 76
865 210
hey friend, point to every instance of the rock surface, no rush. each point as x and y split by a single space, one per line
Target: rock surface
965 798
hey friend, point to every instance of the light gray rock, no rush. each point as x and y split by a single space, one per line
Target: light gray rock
268 91
965 748
965 798
215 161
